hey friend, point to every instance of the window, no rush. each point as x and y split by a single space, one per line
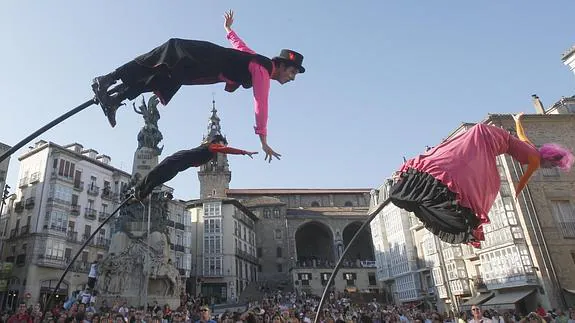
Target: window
267 214
259 252
280 268
349 278
279 252
563 214
58 220
212 244
314 204
61 193
212 209
348 204
66 168
54 249
276 213
277 234
371 279
213 266
212 226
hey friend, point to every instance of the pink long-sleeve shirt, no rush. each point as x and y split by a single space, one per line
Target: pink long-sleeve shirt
466 165
260 83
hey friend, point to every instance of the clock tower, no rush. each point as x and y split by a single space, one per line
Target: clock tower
214 176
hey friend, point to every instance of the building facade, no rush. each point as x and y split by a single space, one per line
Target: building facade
528 254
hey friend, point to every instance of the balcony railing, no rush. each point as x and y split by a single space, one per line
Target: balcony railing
90 213
93 190
75 209
245 255
78 186
103 215
72 236
107 193
29 204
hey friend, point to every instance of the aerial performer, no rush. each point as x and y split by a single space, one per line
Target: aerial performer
182 160
452 187
177 62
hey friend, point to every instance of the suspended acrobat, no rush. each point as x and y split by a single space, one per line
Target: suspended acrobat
452 187
178 62
182 160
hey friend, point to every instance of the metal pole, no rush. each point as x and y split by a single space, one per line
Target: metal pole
47 127
372 215
148 255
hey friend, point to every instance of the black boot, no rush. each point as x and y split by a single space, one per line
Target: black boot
100 87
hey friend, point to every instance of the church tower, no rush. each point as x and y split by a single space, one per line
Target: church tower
214 176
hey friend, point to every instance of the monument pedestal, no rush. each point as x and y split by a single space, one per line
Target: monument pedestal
138 267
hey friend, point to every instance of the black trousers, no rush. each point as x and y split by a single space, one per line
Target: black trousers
435 206
164 69
171 166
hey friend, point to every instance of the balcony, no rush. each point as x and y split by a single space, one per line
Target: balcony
51 261
72 236
512 280
179 248
29 204
479 284
25 230
35 177
75 209
78 186
107 193
90 214
102 242
23 182
19 207
244 255
180 226
93 190
103 215
54 200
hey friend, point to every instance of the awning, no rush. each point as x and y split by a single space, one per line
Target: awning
476 300
507 300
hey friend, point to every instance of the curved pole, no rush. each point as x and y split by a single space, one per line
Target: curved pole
47 127
370 218
80 251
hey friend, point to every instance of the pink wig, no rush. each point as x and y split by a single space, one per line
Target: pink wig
557 156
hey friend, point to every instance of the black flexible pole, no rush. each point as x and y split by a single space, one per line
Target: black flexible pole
47 127
80 251
370 218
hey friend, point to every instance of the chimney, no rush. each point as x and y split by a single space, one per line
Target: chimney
539 109
568 58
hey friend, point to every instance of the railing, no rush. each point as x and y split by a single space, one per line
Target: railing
93 190
75 209
72 236
90 213
79 185
246 255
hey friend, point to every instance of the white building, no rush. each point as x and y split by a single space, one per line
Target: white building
62 195
3 168
224 243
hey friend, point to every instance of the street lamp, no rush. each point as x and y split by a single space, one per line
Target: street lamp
4 197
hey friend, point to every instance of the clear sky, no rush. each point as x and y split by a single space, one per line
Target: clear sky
383 79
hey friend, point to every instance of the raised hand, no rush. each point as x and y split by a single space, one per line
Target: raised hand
228 20
518 116
270 153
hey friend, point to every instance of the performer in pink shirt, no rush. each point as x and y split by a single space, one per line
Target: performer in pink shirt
179 62
452 187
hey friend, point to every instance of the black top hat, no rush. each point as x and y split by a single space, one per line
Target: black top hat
292 57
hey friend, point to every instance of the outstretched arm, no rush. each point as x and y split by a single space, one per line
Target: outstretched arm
218 148
234 39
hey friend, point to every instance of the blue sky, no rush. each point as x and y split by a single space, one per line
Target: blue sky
384 78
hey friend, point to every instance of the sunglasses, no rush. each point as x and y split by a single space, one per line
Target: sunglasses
475 309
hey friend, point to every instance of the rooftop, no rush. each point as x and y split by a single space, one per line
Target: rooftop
280 191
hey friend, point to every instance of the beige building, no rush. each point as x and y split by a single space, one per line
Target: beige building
528 256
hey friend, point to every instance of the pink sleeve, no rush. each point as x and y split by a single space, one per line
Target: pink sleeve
238 43
261 84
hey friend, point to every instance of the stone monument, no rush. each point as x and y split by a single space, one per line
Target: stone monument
138 267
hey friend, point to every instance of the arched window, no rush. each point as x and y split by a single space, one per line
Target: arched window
348 203
314 204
